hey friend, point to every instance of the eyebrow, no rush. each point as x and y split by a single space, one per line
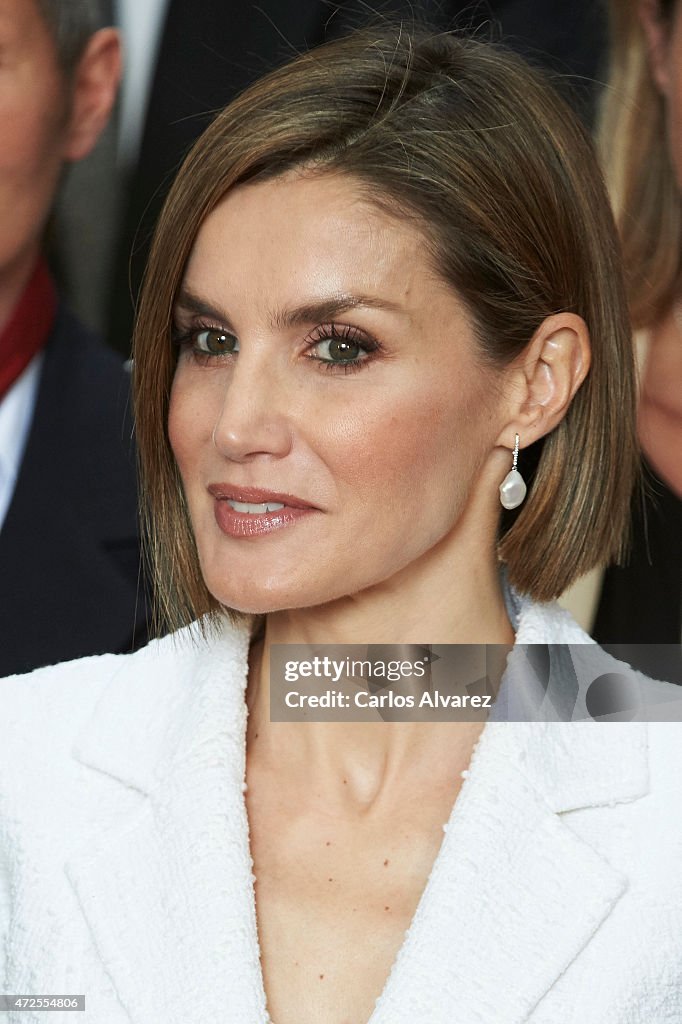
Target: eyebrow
308 313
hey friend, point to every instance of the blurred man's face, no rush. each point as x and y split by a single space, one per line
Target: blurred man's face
34 109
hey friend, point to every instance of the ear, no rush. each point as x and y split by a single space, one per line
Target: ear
656 31
93 92
545 378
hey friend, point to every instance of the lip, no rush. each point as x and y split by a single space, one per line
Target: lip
256 495
248 524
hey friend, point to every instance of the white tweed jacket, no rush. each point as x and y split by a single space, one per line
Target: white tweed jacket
126 875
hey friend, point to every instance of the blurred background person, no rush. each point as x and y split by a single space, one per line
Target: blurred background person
639 604
69 552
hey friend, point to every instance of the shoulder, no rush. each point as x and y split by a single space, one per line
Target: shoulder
537 622
573 678
43 712
79 360
84 396
71 341
121 714
85 384
41 693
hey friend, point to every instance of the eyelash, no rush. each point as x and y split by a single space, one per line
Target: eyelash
343 332
324 332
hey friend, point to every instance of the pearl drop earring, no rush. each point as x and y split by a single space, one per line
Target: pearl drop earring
513 487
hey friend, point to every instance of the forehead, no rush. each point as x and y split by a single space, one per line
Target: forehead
308 233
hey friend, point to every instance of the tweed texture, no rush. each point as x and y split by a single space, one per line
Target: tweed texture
126 874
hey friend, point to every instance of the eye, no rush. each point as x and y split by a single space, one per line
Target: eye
213 342
341 346
339 350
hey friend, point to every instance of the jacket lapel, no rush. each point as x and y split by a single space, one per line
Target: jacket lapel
515 893
514 896
168 895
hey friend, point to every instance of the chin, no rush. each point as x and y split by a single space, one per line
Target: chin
254 599
253 606
263 597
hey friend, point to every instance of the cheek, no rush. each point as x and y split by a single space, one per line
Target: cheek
37 148
30 166
188 432
427 437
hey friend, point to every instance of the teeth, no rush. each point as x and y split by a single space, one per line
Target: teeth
244 506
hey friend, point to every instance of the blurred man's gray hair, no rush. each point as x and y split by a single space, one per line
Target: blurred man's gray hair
71 24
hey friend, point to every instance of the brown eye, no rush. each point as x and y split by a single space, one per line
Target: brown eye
213 342
339 350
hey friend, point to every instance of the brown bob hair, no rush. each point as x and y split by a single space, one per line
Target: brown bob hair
499 176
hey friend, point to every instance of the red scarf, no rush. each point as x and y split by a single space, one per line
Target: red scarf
28 328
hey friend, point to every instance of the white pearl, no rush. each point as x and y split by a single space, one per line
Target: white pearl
512 489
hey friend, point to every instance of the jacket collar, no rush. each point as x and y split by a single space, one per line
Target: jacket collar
187 689
513 897
175 683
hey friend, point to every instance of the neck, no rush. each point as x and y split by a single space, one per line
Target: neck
13 280
415 607
452 595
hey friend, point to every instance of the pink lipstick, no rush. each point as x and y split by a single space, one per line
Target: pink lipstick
253 511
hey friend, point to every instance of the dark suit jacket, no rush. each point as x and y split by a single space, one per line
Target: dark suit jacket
69 547
639 615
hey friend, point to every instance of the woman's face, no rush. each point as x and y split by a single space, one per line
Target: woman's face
329 413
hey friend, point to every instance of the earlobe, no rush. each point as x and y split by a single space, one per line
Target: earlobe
95 84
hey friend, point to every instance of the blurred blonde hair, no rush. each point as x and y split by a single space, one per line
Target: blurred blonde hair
635 153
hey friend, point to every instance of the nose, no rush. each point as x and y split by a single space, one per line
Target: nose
253 419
